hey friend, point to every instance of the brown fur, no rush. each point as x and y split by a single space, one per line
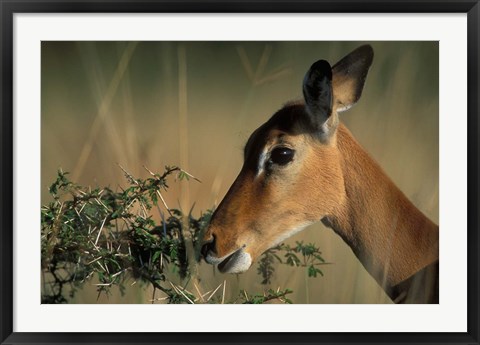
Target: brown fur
389 235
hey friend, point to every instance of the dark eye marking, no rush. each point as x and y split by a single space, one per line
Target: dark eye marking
281 155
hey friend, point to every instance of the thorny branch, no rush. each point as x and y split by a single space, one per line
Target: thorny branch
108 237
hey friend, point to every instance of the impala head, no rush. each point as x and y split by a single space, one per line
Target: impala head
292 174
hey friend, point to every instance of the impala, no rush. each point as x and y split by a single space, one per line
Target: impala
303 166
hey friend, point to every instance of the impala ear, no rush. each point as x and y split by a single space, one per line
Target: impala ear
349 75
318 94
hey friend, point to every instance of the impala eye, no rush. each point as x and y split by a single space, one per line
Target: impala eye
281 155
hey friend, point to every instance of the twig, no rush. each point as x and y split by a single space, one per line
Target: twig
199 293
164 203
100 231
178 290
129 177
213 293
223 295
190 175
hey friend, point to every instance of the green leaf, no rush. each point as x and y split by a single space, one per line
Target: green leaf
156 255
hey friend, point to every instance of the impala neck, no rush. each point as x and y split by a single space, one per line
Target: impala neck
389 235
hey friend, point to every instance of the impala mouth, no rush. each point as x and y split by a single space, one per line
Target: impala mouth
237 262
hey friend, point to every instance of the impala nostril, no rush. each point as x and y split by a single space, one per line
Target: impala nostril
209 245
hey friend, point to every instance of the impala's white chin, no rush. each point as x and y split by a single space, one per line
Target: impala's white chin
237 262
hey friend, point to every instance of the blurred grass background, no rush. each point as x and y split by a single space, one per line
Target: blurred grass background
194 104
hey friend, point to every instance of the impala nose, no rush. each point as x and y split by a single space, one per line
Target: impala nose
208 246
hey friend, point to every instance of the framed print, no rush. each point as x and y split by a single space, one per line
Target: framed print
309 170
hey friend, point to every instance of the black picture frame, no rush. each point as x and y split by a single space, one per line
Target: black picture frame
10 7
